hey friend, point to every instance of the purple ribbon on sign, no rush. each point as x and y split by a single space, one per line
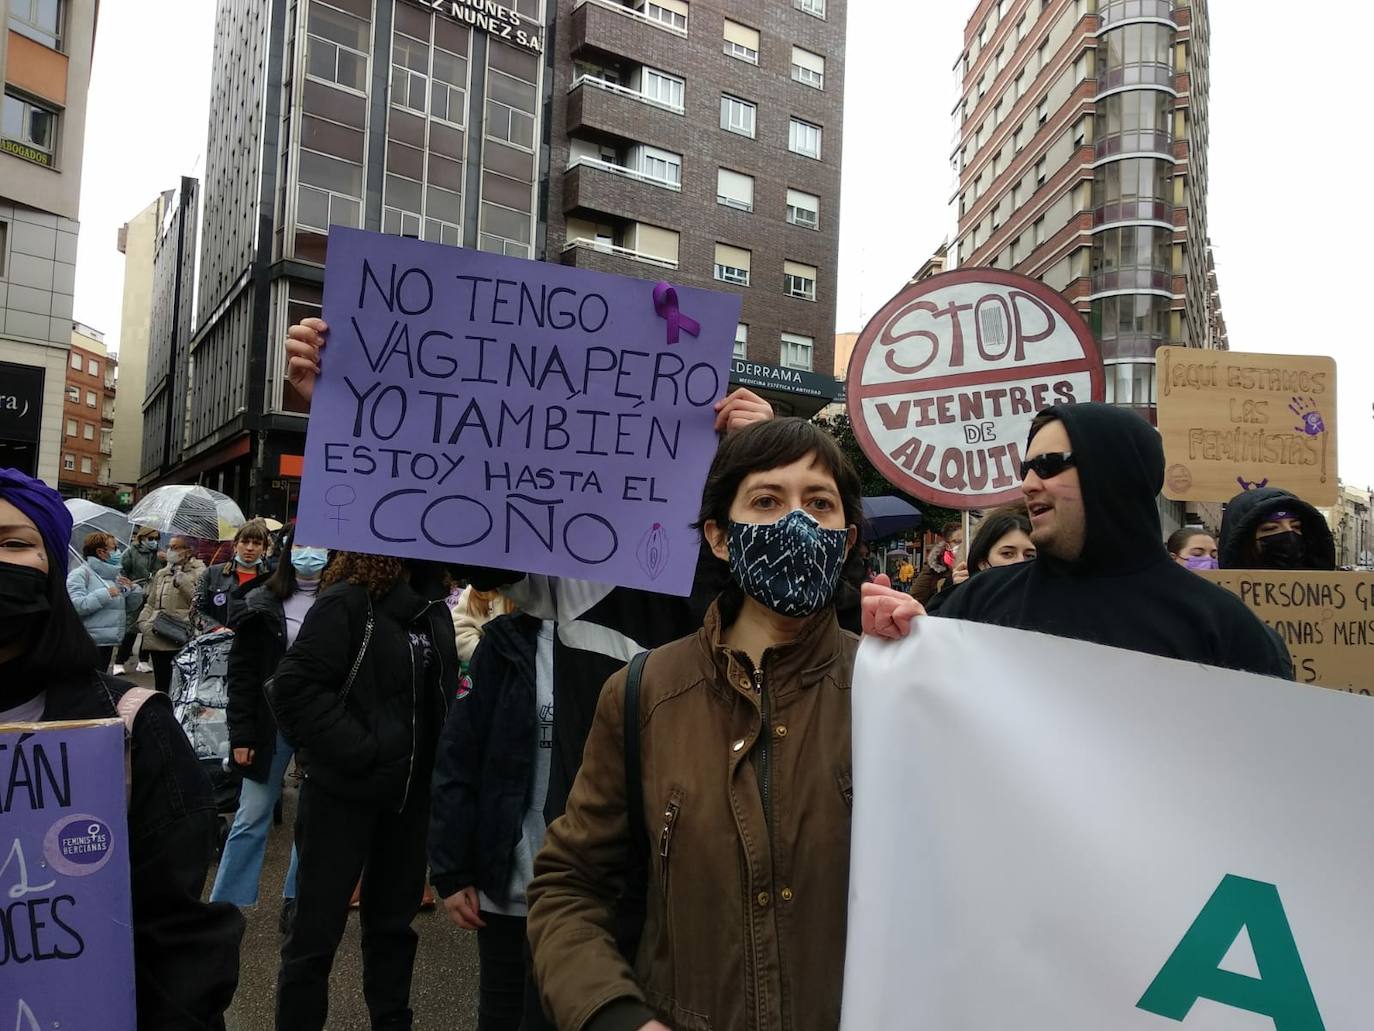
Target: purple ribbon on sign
665 304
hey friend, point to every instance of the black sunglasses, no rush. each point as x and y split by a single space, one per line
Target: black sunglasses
1048 465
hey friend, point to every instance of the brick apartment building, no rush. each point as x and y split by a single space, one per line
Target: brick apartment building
700 143
87 415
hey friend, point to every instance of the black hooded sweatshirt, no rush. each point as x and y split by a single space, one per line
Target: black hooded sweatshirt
1248 509
1123 590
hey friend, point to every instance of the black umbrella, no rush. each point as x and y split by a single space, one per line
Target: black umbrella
889 516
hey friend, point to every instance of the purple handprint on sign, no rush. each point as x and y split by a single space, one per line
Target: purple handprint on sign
1306 410
1312 425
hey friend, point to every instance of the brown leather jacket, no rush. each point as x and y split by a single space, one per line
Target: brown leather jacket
748 822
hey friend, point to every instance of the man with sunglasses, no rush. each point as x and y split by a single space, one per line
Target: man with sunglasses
1091 479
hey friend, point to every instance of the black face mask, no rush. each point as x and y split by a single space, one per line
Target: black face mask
23 601
1285 550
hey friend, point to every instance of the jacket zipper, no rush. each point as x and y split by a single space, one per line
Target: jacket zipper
664 842
415 707
765 765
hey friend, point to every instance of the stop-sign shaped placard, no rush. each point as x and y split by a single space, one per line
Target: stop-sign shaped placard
946 379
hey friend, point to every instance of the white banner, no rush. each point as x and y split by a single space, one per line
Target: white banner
1056 836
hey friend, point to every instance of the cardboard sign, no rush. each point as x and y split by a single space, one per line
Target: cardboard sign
1326 619
945 381
1233 421
480 409
1144 844
66 939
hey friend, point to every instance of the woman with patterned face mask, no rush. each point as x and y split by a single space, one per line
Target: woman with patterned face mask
266 627
744 749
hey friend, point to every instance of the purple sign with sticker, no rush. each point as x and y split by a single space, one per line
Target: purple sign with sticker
65 913
485 410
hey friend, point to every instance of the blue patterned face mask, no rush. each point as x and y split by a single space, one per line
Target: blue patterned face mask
791 566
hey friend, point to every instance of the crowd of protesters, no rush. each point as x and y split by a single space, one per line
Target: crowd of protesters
671 851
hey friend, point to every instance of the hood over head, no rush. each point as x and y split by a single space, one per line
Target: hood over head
1120 462
1249 508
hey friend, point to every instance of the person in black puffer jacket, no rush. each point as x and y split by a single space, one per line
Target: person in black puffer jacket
1271 528
487 817
362 693
186 952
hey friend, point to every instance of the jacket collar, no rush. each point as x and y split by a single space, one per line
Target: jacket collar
801 663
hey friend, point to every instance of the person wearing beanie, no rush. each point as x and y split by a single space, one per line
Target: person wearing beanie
186 959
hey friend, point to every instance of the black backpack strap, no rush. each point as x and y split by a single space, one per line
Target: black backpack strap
634 773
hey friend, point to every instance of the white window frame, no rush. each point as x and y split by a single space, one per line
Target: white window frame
797 286
69 462
790 343
677 88
71 427
741 340
731 273
74 395
808 76
90 399
807 218
313 40
76 362
728 201
740 52
88 431
815 8
796 127
87 466
92 367
670 161
662 15
730 106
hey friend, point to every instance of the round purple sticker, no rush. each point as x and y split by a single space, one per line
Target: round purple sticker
78 845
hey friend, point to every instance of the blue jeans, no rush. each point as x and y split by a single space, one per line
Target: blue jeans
241 865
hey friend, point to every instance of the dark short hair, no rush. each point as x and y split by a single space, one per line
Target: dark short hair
995 525
94 542
254 530
1178 540
770 445
1040 422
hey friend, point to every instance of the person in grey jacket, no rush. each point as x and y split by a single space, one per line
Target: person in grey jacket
142 559
97 589
173 590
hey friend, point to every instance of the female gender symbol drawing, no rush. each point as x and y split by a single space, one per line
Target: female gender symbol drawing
339 496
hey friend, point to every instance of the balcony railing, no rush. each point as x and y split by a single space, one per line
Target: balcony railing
1111 11
1135 141
625 91
1133 279
1152 74
626 171
587 243
1133 211
630 12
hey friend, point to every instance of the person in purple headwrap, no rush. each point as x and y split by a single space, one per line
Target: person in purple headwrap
186 961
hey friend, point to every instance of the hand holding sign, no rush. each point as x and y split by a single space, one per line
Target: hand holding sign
495 411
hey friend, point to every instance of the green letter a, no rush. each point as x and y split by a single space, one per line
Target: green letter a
1281 992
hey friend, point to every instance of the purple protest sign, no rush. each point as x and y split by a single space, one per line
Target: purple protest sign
66 939
485 410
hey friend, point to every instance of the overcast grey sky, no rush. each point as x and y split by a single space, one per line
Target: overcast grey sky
1287 227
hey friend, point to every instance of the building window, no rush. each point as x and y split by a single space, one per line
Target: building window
1042 112
737 115
672 13
510 106
39 20
1040 173
88 431
74 396
799 280
741 41
808 68
742 340
795 352
661 165
812 7
76 361
1130 383
732 264
735 189
804 138
662 88
336 50
1038 231
803 209
505 231
69 463
92 367
85 463
90 399
71 427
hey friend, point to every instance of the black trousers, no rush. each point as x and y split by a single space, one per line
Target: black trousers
126 648
336 840
162 671
105 650
507 997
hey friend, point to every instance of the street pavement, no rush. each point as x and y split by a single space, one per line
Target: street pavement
443 993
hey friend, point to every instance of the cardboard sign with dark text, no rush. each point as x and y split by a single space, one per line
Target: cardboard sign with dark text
66 918
1326 619
1233 421
946 379
486 410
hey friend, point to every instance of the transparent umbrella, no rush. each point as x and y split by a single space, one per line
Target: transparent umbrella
189 509
88 517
